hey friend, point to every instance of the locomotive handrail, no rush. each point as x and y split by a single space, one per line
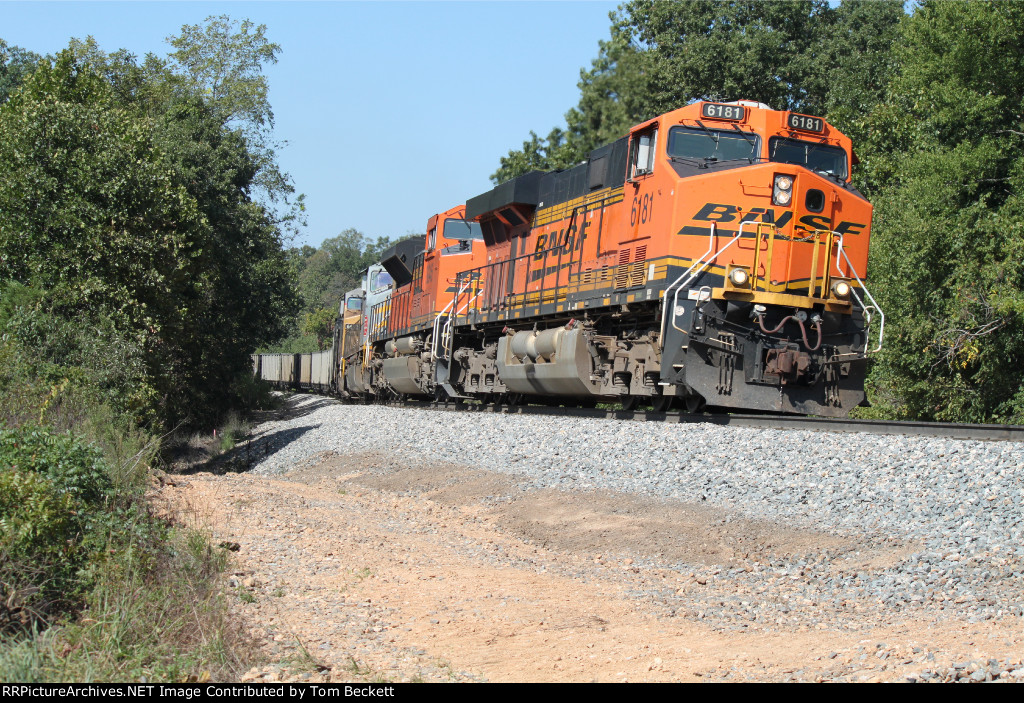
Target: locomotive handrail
701 261
664 308
438 330
874 304
446 332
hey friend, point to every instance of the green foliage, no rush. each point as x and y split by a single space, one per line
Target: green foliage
548 154
53 491
127 199
948 239
232 430
861 64
137 274
323 275
791 54
15 66
222 62
74 541
74 468
934 104
156 612
610 103
73 365
712 50
82 182
320 324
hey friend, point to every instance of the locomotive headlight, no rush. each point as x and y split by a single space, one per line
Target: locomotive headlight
841 289
739 277
782 193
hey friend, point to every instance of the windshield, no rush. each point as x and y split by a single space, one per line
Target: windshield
822 158
712 144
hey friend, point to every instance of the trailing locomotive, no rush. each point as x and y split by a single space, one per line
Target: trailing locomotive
713 256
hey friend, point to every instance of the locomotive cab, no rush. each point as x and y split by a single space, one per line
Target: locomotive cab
412 350
771 313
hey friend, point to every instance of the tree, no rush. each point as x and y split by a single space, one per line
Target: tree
610 95
326 274
662 55
322 277
948 245
124 192
716 50
607 108
861 62
15 66
223 62
536 155
87 200
320 324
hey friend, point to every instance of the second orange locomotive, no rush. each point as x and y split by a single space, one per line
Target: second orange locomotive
713 256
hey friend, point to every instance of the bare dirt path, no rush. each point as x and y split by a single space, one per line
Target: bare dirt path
354 569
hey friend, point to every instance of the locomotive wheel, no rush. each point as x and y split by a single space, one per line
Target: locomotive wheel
631 402
661 403
694 403
514 400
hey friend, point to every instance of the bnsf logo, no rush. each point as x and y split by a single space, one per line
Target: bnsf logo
718 212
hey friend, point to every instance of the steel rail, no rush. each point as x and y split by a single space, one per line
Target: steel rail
1006 433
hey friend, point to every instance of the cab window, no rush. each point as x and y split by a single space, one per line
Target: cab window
462 230
712 144
822 158
642 153
382 279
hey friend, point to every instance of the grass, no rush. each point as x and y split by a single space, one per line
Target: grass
136 597
152 616
232 430
365 673
217 450
147 603
303 661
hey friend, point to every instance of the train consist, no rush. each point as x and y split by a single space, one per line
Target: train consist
714 256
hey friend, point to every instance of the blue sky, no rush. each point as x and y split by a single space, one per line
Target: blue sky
392 111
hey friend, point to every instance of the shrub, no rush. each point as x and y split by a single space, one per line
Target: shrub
54 493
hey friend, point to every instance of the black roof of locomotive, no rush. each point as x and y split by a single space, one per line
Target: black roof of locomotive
605 167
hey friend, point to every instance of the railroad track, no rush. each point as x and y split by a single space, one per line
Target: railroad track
1008 433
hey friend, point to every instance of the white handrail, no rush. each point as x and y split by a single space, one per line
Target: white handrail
437 322
703 263
874 303
442 332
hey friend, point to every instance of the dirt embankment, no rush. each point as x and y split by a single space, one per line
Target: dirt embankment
353 569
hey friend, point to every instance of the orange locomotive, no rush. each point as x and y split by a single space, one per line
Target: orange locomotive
715 255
